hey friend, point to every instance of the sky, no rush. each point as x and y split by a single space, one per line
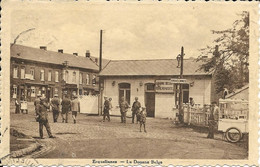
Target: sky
130 31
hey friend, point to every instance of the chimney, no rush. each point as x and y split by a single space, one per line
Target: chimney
75 54
43 47
88 54
60 50
96 60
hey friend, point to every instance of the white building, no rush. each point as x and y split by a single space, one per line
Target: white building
149 80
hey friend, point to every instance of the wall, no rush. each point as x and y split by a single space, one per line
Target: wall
164 104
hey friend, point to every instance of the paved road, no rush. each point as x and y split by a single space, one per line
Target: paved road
91 138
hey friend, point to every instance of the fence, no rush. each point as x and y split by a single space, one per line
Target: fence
196 115
88 104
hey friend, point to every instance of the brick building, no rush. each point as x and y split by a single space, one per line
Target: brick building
37 70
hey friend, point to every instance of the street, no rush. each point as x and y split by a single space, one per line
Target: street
92 138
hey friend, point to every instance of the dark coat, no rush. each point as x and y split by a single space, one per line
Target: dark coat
66 104
41 111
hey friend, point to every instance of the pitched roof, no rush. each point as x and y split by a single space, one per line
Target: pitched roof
45 56
155 67
238 91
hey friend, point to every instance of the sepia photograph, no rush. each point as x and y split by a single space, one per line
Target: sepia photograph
133 84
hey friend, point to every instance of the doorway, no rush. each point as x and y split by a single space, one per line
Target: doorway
150 99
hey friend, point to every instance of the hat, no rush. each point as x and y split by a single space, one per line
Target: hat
39 95
55 95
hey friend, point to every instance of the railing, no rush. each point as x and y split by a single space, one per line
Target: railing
196 115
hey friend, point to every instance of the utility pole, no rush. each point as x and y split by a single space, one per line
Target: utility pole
181 94
100 80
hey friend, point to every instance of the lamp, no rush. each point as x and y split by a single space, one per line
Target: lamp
113 83
178 59
141 83
192 84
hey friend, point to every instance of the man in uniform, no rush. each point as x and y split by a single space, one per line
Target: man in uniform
55 102
123 109
42 114
213 118
106 109
75 107
66 105
135 109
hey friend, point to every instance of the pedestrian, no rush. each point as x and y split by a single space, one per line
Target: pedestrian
123 109
110 106
66 105
213 119
75 107
42 114
106 109
17 107
192 103
143 119
55 102
135 108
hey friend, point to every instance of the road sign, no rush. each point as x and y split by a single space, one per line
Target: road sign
178 81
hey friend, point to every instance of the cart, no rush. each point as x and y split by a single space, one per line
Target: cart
233 119
24 107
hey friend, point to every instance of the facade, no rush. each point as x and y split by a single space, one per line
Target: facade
35 71
150 81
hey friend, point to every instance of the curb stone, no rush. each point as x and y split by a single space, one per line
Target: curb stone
25 151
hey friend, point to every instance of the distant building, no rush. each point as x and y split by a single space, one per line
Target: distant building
37 70
241 93
150 80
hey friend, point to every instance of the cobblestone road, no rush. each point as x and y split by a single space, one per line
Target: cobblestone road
91 138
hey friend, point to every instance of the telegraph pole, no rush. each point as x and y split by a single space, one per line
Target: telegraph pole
181 94
100 80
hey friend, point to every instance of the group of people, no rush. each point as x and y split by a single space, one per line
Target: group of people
42 107
138 112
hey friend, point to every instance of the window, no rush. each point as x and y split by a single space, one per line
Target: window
185 93
14 91
94 80
56 91
124 91
15 72
32 73
56 76
80 78
49 75
87 79
74 77
42 75
67 76
32 91
22 73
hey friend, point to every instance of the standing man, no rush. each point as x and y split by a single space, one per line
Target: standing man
55 102
213 119
42 114
66 105
106 109
123 109
17 107
135 109
75 107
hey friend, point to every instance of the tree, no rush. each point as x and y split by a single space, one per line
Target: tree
229 63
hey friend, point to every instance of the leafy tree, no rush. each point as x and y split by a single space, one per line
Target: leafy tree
229 63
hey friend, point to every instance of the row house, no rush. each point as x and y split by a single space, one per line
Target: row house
39 71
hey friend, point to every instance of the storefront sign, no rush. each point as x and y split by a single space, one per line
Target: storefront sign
164 86
178 81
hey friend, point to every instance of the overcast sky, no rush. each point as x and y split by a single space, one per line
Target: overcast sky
130 31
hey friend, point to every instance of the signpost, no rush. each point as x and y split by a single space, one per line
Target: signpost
178 81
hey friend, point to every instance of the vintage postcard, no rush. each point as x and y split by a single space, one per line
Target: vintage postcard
129 83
